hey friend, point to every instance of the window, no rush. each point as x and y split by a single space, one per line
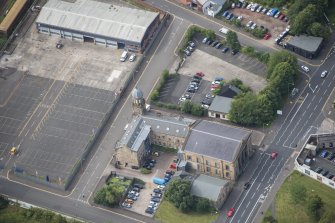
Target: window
207 163
216 165
208 169
227 167
189 157
198 160
216 171
227 174
307 172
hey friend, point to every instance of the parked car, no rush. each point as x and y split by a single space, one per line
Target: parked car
218 79
249 24
136 189
187 96
200 74
191 90
305 68
155 199
330 176
225 50
318 170
205 40
171 172
324 172
130 201
132 58
324 74
191 44
149 210
240 18
139 186
247 185
209 42
59 45
156 196
225 13
253 26
259 9
210 95
230 212
161 187
239 4
214 43
156 190
230 16
189 48
126 205
281 17
188 53
264 11
235 51
324 153
277 15
267 36
218 46
249 6
330 156
274 155
244 4
154 204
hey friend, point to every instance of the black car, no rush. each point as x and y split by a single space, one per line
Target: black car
235 51
225 50
155 199
324 172
206 101
138 186
157 190
246 186
191 90
171 172
195 80
149 210
330 176
157 196
136 189
331 156
209 42
214 43
197 77
318 170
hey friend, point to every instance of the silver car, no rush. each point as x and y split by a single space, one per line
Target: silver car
305 68
324 73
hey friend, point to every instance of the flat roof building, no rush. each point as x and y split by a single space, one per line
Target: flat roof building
306 46
98 22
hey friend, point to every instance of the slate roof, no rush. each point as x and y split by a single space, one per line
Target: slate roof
175 126
98 18
207 187
221 104
308 43
216 140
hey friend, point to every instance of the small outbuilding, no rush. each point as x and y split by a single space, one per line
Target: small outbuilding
220 107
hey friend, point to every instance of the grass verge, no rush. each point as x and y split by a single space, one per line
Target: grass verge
288 212
167 213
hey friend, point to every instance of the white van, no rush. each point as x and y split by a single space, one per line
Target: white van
124 56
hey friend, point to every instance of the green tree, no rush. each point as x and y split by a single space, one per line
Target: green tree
186 106
283 77
314 205
178 193
317 29
202 205
232 40
298 193
327 217
305 18
197 110
278 57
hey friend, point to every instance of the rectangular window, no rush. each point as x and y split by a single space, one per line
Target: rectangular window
227 167
207 163
189 157
198 160
216 165
307 172
208 169
216 172
227 174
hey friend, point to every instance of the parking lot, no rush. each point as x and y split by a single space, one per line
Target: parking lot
275 26
324 163
162 164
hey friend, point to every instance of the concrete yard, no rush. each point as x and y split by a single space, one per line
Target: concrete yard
213 67
59 106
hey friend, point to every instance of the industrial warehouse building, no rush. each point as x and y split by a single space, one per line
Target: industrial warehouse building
306 46
101 23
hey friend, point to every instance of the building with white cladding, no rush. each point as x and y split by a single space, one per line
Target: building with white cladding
101 23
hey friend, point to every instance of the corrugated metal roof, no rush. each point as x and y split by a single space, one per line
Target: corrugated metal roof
216 140
97 18
12 14
207 187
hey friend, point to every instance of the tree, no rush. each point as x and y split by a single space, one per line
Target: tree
178 193
197 110
317 29
298 193
232 40
202 205
327 217
314 205
305 18
278 57
186 106
283 77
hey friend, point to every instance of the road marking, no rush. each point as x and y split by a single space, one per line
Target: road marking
253 209
332 67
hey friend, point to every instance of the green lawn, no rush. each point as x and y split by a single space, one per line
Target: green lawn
287 212
331 12
167 213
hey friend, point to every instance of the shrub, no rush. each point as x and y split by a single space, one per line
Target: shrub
145 171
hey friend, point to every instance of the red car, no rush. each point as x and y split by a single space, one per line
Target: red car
267 36
215 85
281 17
274 155
230 212
200 74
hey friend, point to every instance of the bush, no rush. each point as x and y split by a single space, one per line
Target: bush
314 205
155 93
202 205
239 84
192 108
145 171
251 52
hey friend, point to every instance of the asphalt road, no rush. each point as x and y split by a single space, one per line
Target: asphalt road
304 119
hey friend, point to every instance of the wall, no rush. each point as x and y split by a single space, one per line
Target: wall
166 140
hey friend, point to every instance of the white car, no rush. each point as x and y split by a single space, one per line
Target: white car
253 26
250 5
259 9
153 207
154 204
205 106
132 58
216 82
305 68
240 17
161 187
250 23
324 73
191 44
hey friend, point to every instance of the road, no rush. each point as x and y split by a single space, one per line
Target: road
304 119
